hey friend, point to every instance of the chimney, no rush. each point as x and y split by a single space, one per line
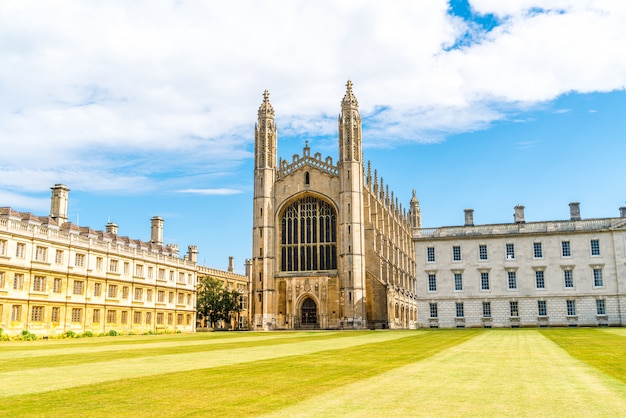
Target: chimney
248 268
622 212
469 217
192 253
519 214
111 228
58 203
574 211
156 235
231 263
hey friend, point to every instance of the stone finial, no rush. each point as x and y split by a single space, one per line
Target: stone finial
349 100
266 109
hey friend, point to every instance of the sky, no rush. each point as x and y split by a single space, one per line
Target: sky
147 108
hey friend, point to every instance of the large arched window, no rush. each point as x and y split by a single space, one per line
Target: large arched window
309 236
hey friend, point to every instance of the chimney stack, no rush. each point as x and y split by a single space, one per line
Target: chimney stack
622 212
192 253
574 211
156 235
58 203
231 263
519 214
469 217
111 228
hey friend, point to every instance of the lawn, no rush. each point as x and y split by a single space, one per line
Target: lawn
527 372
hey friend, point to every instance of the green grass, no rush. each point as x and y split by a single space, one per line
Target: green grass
369 373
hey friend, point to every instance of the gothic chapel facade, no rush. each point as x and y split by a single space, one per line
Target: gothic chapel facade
332 248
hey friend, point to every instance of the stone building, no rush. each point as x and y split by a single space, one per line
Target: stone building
56 276
523 274
331 246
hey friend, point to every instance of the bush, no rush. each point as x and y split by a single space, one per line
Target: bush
87 334
69 334
112 333
27 336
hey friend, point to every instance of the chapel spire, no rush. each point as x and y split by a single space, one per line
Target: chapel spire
265 135
350 127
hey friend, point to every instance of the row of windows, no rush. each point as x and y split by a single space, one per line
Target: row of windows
41 254
542 308
40 283
537 251
512 283
38 315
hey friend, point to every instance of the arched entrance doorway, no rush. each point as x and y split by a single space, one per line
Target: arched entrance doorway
308 317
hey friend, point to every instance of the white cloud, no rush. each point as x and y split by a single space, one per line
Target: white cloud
211 192
116 95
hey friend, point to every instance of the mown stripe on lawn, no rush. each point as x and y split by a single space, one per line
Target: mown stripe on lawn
243 389
79 355
605 350
499 373
47 378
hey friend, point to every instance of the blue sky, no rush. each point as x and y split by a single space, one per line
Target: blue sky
148 108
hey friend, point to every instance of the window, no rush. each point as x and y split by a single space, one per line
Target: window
510 251
1 279
124 317
127 268
181 277
112 292
41 253
159 318
148 318
243 302
58 257
188 319
96 316
565 249
139 270
459 310
170 297
537 250
150 272
125 292
161 296
571 307
111 316
16 313
77 314
3 246
99 263
542 309
113 265
20 250
79 287
55 314
138 293
179 319
149 295
458 281
181 298
486 309
595 247
97 289
540 282
514 308
456 253
170 318
512 280
137 318
432 283
568 278
39 284
482 252
18 281
57 285
161 275
430 254
597 277
79 260
308 236
171 275
36 314
484 280
600 307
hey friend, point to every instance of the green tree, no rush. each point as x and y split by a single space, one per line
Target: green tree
214 302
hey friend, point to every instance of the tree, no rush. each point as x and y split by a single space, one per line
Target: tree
214 302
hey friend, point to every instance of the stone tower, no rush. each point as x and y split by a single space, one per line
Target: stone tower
263 257
58 203
351 248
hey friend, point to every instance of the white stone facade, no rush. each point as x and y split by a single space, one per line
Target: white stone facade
558 273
